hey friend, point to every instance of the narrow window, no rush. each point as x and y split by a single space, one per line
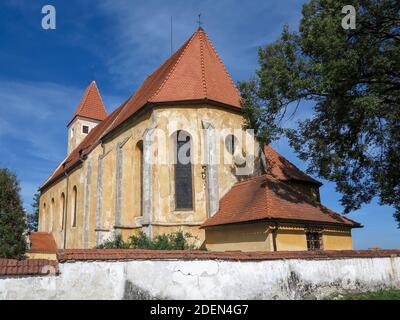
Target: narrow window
183 172
139 174
314 240
51 216
44 218
85 129
74 205
230 143
72 132
62 211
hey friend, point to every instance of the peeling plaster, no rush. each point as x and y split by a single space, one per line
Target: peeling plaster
207 279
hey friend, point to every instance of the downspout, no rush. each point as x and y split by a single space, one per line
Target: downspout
274 234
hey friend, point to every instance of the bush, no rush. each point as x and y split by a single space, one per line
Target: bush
172 241
116 243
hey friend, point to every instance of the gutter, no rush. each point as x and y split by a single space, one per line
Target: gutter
300 222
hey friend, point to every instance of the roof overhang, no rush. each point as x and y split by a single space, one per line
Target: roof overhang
289 221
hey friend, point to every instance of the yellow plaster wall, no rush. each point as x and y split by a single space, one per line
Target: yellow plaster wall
76 125
258 237
291 239
47 256
244 237
48 223
337 240
165 218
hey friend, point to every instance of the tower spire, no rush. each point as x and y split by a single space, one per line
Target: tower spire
89 113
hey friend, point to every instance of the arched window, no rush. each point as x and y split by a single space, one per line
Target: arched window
231 142
51 216
62 211
139 174
74 205
183 172
43 220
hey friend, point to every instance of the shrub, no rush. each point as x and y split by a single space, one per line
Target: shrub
172 241
115 243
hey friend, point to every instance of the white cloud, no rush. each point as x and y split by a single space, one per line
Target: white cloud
33 133
139 36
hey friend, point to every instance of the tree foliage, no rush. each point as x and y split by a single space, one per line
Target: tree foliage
353 78
33 218
12 217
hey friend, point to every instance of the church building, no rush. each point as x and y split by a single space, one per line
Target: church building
174 156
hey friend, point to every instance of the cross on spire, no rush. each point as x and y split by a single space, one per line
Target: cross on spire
199 21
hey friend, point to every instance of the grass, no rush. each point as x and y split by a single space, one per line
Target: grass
390 294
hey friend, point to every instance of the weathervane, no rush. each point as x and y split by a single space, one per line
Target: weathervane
200 23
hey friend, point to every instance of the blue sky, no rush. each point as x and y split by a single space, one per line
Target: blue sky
43 74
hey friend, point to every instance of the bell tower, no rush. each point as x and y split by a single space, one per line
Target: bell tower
89 113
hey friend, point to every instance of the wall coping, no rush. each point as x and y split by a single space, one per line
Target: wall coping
43 267
28 267
70 255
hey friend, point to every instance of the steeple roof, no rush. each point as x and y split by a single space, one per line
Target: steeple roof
193 73
91 105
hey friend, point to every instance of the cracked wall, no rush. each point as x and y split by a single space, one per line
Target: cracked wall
207 279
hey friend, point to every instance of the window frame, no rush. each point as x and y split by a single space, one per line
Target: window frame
231 138
180 209
85 126
314 240
74 207
62 211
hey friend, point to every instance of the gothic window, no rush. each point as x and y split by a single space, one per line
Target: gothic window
44 218
231 143
62 211
183 172
139 173
51 216
314 240
74 205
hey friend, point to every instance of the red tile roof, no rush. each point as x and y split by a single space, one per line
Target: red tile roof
42 242
282 169
91 105
37 267
132 254
266 198
193 73
84 148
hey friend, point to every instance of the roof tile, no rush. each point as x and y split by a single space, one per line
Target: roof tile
91 105
283 169
42 242
13 267
266 197
139 254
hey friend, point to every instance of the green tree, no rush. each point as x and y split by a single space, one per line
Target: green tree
33 218
12 217
352 77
